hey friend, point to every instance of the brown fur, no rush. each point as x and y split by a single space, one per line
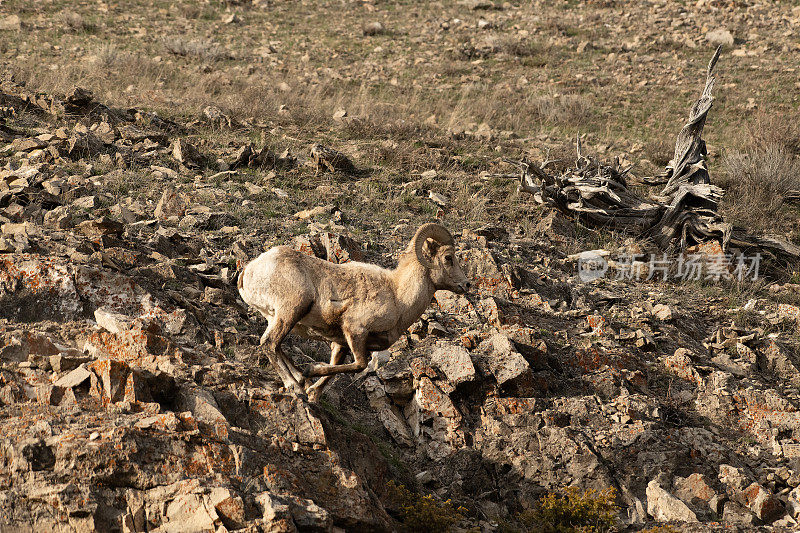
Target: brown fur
355 305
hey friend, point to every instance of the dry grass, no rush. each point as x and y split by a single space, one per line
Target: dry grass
757 181
570 109
417 97
76 23
203 49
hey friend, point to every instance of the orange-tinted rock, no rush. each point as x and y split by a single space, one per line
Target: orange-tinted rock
113 378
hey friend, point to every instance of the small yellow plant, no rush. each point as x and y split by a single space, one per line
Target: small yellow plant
424 512
573 511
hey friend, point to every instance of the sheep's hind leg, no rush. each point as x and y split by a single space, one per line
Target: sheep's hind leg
315 391
273 336
358 345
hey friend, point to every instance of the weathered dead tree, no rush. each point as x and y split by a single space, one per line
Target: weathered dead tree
683 214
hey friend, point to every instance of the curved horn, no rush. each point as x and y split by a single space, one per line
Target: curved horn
430 231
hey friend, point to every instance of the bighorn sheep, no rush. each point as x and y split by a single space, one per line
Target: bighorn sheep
355 306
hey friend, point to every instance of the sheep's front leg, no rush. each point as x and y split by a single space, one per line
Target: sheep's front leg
315 391
357 341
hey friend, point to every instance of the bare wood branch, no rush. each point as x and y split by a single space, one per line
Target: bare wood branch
685 213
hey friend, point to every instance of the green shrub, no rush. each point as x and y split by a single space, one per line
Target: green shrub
572 511
424 512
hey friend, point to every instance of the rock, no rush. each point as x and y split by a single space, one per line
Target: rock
98 228
58 218
438 199
79 97
27 144
644 340
186 153
34 455
477 5
284 513
793 502
330 159
74 378
556 227
374 28
429 401
389 414
113 377
172 203
680 364
229 507
319 210
276 512
112 321
719 37
437 330
205 410
64 362
732 477
662 312
429 174
308 516
734 513
665 507
762 502
329 246
487 276
777 361
11 23
83 145
87 202
163 422
188 513
695 490
508 366
215 115
455 362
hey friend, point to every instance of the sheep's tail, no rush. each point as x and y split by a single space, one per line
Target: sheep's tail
240 281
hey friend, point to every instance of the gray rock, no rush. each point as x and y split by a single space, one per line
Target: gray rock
719 37
286 513
189 513
454 361
733 478
762 502
508 366
184 152
734 513
229 507
204 408
112 321
373 28
665 507
793 502
171 203
74 378
389 414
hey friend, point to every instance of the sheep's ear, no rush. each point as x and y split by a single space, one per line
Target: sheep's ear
430 248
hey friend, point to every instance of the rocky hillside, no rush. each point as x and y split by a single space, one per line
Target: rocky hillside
135 398
134 395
